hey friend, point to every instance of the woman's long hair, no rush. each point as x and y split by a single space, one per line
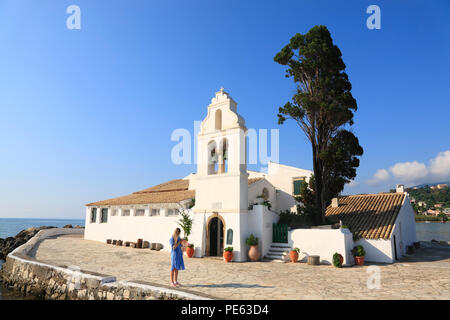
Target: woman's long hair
175 235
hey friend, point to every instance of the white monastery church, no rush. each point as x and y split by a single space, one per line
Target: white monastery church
228 203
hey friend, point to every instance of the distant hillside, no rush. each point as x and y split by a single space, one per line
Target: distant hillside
430 196
431 184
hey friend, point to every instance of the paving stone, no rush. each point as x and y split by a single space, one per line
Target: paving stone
413 278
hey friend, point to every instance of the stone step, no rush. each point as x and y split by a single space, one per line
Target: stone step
279 249
278 258
287 247
275 256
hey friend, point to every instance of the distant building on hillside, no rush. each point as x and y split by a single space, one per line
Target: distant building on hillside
431 212
439 186
422 204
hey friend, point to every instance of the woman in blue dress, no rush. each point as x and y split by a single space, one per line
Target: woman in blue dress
176 257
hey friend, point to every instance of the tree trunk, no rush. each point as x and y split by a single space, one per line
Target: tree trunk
318 182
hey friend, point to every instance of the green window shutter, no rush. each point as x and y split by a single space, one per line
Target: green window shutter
94 215
104 215
297 184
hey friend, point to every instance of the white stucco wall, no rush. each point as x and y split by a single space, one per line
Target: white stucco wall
260 223
256 189
257 221
377 250
404 230
281 177
157 229
322 242
405 227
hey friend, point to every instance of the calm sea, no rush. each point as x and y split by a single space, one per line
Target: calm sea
11 227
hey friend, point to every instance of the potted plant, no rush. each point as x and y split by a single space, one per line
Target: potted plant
267 204
338 260
185 223
294 254
190 250
253 252
260 199
358 254
228 254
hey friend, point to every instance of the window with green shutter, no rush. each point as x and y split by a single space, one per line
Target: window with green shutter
297 184
93 215
104 217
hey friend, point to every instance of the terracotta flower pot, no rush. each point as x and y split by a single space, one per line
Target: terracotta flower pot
228 255
359 260
293 255
341 258
253 253
184 244
190 252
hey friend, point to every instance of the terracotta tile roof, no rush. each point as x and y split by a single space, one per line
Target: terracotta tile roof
172 191
253 180
172 185
371 216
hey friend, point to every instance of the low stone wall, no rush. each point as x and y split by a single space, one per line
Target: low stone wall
46 281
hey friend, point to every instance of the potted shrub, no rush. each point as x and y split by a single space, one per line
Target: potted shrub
228 254
185 223
190 250
338 260
267 204
358 254
294 254
253 252
260 199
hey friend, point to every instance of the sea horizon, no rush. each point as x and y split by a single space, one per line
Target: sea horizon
9 227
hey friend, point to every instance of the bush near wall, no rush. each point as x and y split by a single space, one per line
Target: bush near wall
294 220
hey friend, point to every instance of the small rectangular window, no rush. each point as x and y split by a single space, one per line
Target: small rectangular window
104 217
154 212
93 215
114 212
172 212
139 212
125 212
296 186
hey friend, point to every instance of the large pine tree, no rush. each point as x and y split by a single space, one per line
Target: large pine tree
323 107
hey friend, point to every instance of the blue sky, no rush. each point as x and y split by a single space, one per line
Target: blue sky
87 114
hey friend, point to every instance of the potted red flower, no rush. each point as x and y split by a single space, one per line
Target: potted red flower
358 254
294 254
228 254
190 250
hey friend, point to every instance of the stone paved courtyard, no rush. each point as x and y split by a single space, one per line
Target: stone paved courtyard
424 275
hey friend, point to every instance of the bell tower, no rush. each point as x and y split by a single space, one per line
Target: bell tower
222 178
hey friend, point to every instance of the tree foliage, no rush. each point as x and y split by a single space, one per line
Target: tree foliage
322 106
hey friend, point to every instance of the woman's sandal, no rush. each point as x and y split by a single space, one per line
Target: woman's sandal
173 284
177 284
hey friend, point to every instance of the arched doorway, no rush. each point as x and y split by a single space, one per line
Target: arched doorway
215 239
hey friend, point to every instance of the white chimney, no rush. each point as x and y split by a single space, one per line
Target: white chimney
334 203
400 188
